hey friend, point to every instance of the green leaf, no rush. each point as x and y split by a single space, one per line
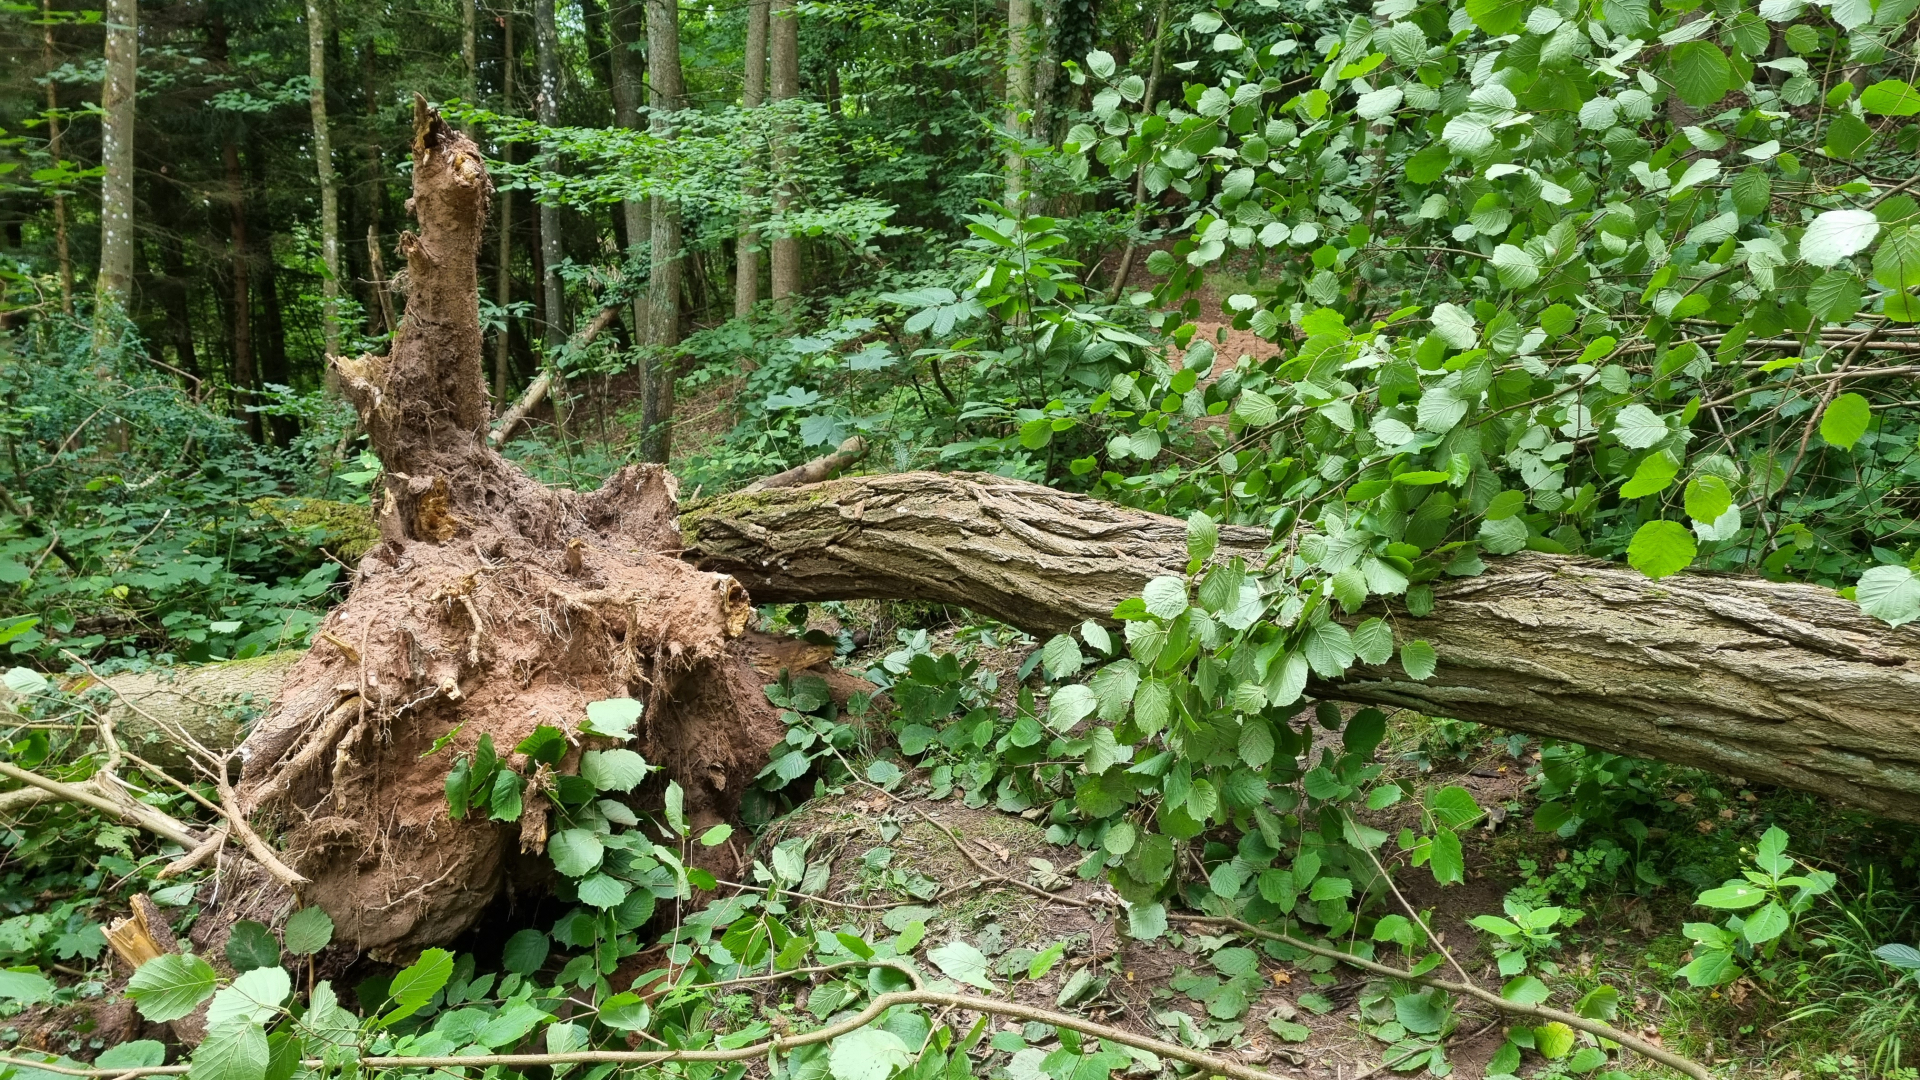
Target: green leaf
1329 648
1766 924
1835 296
1373 642
170 986
138 1054
1061 656
1256 743
1896 262
255 997
1654 474
1710 967
1514 267
416 984
1890 97
603 891
525 952
1454 807
1733 896
308 931
1203 536
1638 427
1707 498
1700 71
505 797
1525 990
236 1050
1845 420
25 987
868 1053
576 852
1165 596
1837 234
1553 1041
1661 548
1418 660
1069 705
1890 594
250 945
613 717
613 770
962 962
1497 17
1446 858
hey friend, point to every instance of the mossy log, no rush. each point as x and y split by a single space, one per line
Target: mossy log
1781 683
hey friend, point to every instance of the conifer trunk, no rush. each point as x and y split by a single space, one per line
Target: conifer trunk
668 262
115 286
329 190
784 32
546 45
746 287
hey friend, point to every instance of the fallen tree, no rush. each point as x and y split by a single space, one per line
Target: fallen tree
494 605
1782 683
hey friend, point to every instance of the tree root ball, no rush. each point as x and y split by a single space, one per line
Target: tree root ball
493 605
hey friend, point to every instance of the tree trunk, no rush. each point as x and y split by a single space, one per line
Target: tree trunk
1019 96
493 605
746 280
53 153
784 30
546 46
627 25
668 261
329 191
503 216
115 288
1782 683
242 376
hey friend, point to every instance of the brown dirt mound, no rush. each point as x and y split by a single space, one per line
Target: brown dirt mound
493 605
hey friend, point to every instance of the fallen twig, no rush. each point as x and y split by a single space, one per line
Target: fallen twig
146 817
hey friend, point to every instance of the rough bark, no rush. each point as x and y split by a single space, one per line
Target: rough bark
1782 683
493 605
53 154
666 96
1019 94
784 33
627 25
746 280
503 214
329 190
242 374
115 285
546 47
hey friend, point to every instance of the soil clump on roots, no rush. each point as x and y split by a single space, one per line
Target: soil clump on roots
491 606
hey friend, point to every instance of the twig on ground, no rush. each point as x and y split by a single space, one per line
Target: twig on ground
1206 1063
146 817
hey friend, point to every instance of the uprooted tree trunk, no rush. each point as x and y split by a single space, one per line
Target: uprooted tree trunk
1787 684
492 605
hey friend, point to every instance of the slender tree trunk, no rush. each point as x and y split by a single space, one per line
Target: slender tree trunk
115 290
627 26
1140 173
243 376
174 295
470 47
546 45
53 152
329 190
503 221
784 30
668 265
746 285
1019 95
1780 683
